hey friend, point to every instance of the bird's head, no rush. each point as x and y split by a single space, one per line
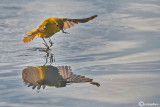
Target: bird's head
58 22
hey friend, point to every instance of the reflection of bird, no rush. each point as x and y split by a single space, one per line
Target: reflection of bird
53 25
52 76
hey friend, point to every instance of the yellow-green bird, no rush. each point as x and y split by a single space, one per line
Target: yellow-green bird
52 25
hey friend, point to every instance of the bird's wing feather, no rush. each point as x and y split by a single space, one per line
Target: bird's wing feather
70 22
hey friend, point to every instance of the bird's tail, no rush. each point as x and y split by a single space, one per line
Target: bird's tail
31 35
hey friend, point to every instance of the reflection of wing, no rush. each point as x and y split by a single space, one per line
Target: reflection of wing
65 72
52 76
70 22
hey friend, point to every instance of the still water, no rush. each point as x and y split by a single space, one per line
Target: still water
119 50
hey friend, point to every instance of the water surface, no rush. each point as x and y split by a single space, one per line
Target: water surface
120 49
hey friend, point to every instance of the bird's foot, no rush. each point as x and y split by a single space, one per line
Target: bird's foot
47 47
51 43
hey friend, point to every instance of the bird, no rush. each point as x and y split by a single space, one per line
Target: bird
52 25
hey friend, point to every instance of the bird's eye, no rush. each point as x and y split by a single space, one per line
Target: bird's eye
57 25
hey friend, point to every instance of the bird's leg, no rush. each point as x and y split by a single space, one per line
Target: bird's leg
64 32
45 43
51 43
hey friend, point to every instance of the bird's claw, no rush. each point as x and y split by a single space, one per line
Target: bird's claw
47 47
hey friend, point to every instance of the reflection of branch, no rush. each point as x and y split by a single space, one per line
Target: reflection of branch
52 76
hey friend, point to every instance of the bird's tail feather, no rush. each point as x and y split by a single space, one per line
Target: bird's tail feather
31 35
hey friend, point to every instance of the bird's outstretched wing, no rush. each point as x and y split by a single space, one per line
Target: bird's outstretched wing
70 22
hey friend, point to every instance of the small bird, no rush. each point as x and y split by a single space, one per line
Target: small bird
52 25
